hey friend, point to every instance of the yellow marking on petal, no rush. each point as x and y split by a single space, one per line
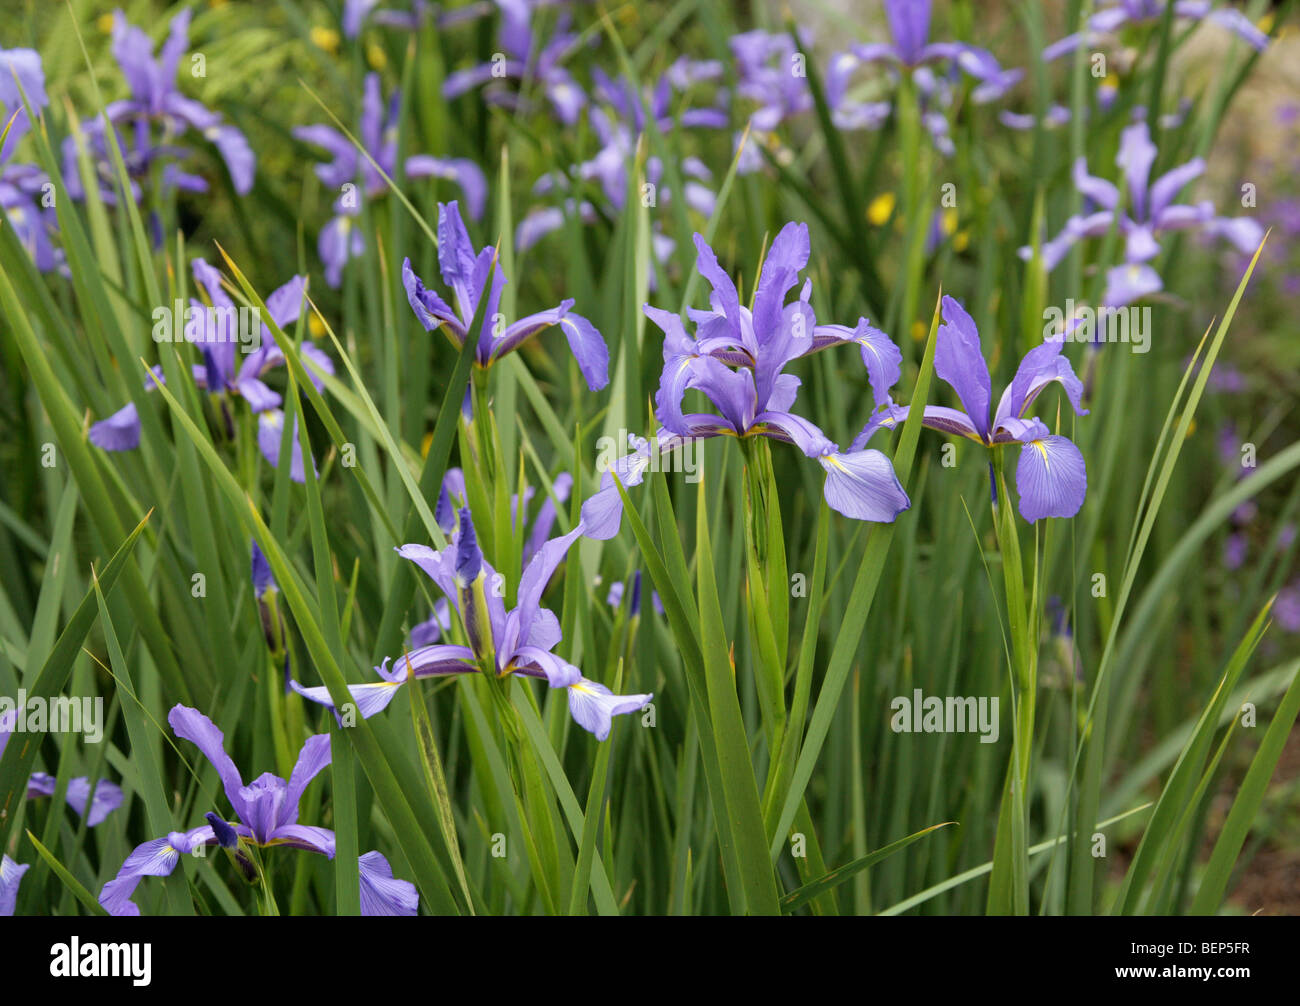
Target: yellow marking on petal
581 687
880 209
1042 449
831 459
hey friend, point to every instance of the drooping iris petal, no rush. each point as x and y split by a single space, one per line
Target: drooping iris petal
157 858
11 874
959 361
107 798
1051 478
370 698
588 348
593 706
119 432
381 893
1128 283
864 486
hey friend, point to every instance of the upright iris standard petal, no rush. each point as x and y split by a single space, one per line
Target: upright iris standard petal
196 728
959 361
1051 478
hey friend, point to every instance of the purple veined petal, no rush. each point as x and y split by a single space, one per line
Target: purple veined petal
193 726
314 756
535 662
882 358
452 496
370 698
430 310
532 584
381 892
792 337
706 263
106 799
1016 430
264 805
439 566
544 522
133 51
285 303
588 348
1102 193
791 429
959 361
519 332
785 260
1040 367
456 258
11 873
157 858
270 425
305 837
785 389
887 418
1168 185
431 629
864 486
1051 479
731 391
602 512
119 432
436 660
1128 283
1136 155
593 706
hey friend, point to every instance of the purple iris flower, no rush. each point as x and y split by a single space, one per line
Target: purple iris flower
107 796
1150 211
24 187
516 642
267 809
518 57
350 171
755 397
466 272
222 374
1116 14
155 102
1050 477
618 122
765 71
94 807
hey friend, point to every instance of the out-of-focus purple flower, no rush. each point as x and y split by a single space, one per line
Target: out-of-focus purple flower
216 328
466 273
615 596
519 57
357 12
1286 609
502 643
755 398
1234 550
107 796
26 196
150 120
1050 477
356 176
1117 14
267 812
1150 211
